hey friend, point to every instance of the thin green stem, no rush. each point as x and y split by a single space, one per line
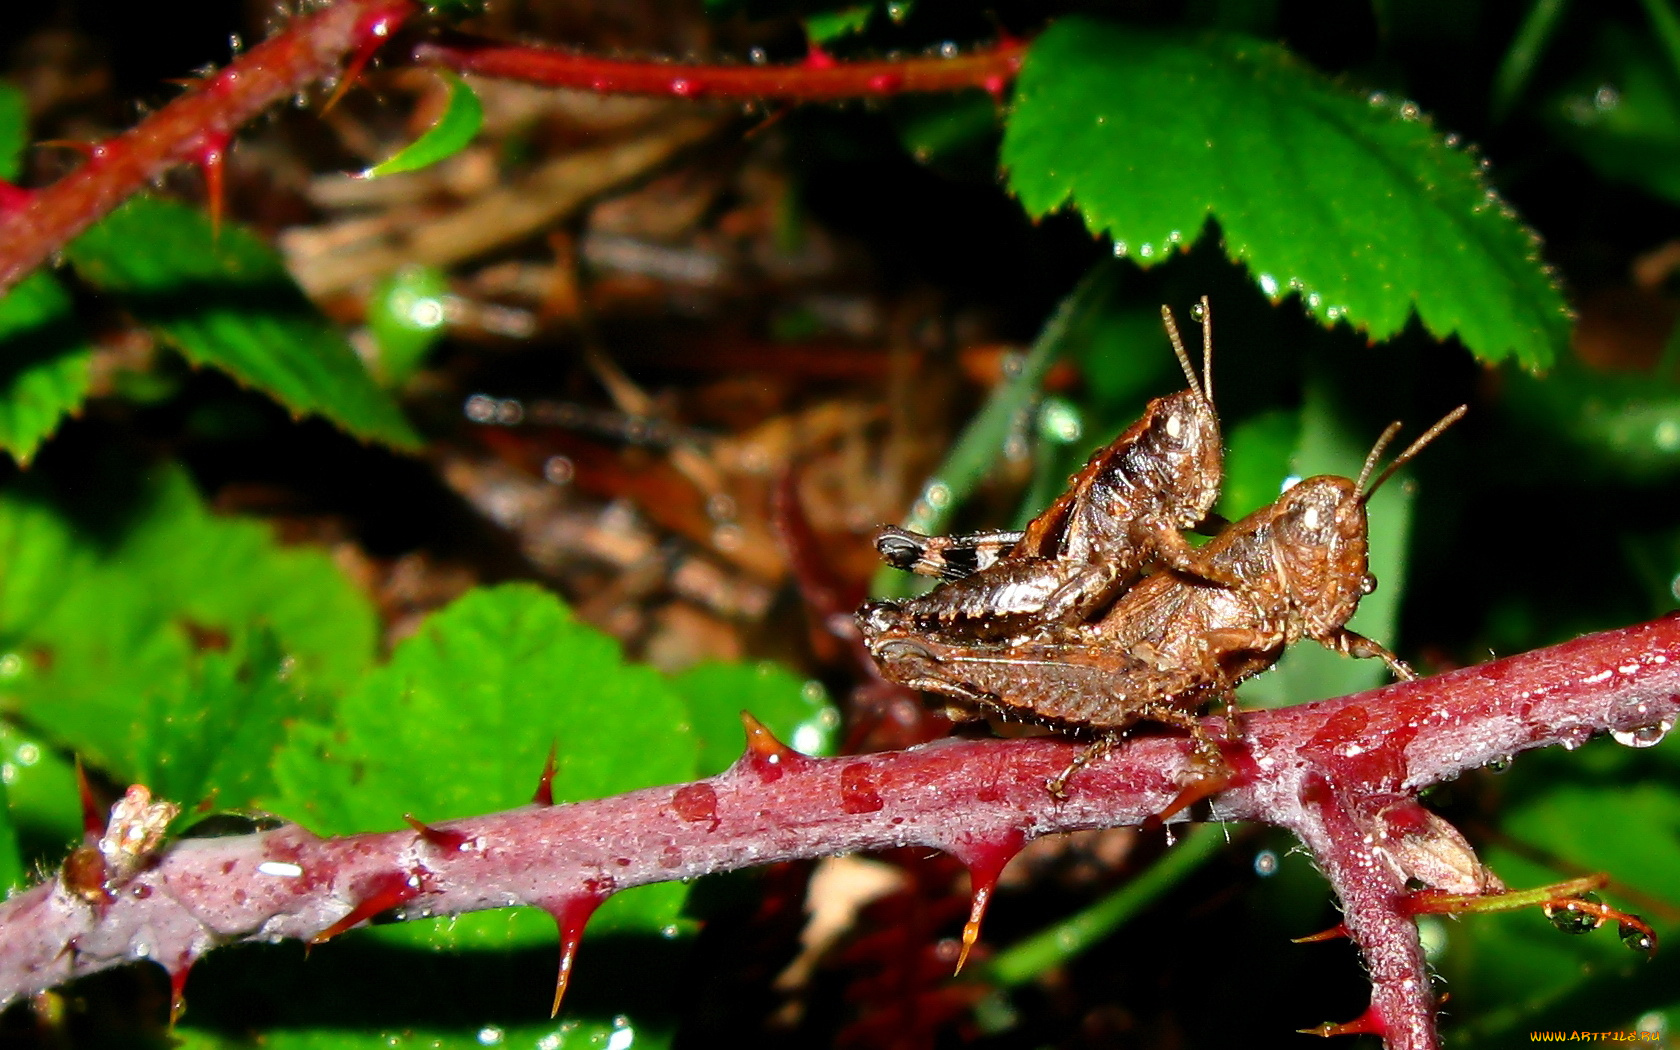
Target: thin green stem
1527 46
1667 25
1057 944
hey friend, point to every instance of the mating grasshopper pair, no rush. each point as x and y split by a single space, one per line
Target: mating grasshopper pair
1100 614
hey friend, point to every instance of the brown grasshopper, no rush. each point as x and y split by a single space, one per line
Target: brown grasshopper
1176 640
1121 513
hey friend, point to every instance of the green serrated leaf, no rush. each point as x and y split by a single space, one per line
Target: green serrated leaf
460 722
14 130
225 300
153 642
45 363
795 709
463 115
1359 206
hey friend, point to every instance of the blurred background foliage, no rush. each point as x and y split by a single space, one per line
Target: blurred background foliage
356 505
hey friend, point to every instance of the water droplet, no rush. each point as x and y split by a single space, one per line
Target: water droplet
1059 420
1120 249
491 1035
1637 939
937 494
898 10
559 470
1265 863
1175 237
11 665
757 56
948 50
1606 98
1198 313
623 1036
1377 98
1146 250
1574 736
1269 285
480 408
1452 140
1569 917
1500 764
1643 736
1409 111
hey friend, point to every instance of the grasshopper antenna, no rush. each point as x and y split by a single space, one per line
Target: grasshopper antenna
1179 352
1403 458
1207 350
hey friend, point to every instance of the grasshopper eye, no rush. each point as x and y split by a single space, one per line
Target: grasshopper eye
1367 584
1175 426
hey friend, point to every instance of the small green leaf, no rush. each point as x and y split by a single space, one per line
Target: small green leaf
461 720
226 300
832 25
14 130
462 116
44 363
1358 206
153 641
406 314
795 709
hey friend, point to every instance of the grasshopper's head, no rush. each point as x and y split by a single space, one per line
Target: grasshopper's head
1320 540
1321 534
1178 455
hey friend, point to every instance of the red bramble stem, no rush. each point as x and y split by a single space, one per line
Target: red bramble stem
1327 771
310 48
814 80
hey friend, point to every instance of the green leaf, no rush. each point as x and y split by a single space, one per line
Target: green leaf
40 789
462 116
1358 206
225 300
460 722
154 641
44 363
14 130
796 710
832 25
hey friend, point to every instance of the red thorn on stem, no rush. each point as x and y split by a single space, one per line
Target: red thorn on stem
1335 932
93 814
210 157
371 35
765 755
1367 1023
570 914
986 857
378 894
545 783
178 986
817 58
442 839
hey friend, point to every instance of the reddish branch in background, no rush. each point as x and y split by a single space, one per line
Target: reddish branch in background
1342 774
197 127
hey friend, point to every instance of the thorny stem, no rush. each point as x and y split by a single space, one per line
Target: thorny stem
1328 771
194 125
816 79
197 126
